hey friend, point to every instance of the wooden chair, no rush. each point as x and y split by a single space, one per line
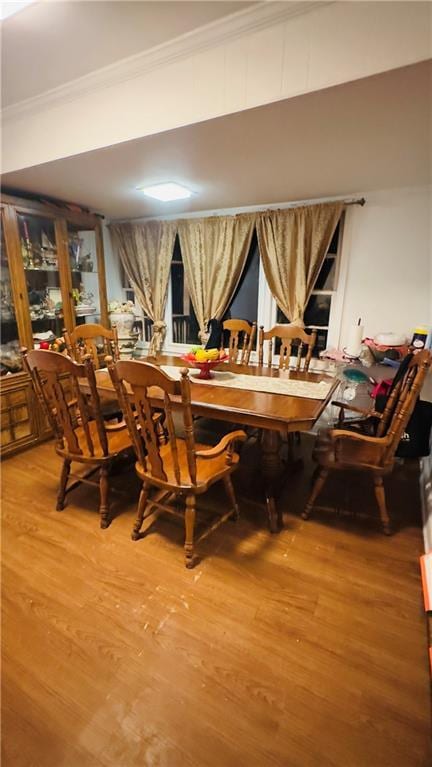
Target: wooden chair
241 338
341 449
80 431
181 467
287 335
82 341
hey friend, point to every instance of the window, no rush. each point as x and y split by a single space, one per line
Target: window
181 319
253 300
317 313
184 324
244 304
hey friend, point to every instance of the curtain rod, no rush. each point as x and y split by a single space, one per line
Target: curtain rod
358 201
361 201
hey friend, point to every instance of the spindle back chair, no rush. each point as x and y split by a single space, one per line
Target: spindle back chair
341 449
83 341
241 338
181 467
79 428
288 335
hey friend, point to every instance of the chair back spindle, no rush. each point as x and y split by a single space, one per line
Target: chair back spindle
188 424
402 401
287 334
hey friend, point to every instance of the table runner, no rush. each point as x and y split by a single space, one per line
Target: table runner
291 387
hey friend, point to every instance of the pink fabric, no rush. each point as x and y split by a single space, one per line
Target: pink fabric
383 387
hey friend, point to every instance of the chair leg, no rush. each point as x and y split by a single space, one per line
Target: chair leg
231 495
142 503
318 486
381 500
63 483
190 514
104 491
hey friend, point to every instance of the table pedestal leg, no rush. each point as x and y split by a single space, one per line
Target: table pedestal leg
272 468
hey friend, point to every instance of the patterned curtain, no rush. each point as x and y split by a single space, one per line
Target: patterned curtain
214 252
293 244
146 251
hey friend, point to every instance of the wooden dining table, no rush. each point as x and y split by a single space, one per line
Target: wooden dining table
273 414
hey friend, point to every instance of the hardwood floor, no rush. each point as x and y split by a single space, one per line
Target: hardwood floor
304 649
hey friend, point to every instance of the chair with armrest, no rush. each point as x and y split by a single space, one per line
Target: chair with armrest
342 448
241 338
81 434
83 340
288 335
181 467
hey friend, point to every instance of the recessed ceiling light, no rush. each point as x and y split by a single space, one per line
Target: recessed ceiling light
166 192
9 8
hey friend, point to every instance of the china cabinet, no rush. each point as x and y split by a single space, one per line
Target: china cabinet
52 277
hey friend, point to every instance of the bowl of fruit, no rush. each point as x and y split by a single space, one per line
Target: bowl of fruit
204 360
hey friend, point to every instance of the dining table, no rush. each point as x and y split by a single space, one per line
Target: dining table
274 413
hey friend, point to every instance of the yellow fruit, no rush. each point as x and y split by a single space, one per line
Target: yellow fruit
213 354
201 355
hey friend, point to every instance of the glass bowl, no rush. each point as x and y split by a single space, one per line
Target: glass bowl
205 368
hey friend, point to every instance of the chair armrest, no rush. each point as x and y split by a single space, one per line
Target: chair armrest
226 442
336 434
358 450
355 409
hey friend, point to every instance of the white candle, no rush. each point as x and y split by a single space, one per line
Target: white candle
355 338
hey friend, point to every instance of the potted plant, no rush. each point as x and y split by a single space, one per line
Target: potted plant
122 316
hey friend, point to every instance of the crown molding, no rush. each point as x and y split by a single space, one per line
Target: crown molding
227 29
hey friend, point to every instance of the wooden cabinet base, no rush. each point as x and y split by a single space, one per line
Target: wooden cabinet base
22 421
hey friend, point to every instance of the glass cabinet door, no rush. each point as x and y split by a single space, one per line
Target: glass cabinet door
41 269
86 289
10 360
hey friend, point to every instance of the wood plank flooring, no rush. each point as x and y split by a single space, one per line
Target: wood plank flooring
304 649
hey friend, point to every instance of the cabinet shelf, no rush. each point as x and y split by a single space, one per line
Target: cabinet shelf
41 269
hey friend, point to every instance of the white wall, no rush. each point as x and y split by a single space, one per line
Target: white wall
112 269
387 251
269 52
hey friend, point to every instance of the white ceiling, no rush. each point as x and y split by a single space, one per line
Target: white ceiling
50 43
369 134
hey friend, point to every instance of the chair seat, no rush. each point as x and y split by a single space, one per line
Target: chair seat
209 470
118 441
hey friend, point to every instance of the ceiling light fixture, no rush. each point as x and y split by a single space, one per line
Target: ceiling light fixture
10 8
166 192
